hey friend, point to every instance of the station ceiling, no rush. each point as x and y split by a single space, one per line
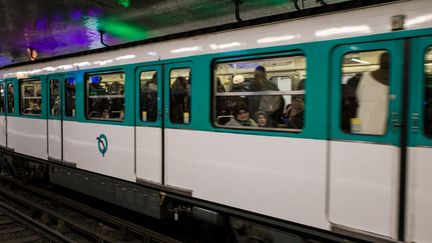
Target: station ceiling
57 27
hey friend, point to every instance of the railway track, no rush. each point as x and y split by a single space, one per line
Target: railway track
75 221
18 227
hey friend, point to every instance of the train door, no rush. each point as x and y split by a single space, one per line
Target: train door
419 163
148 133
2 116
55 119
365 146
178 117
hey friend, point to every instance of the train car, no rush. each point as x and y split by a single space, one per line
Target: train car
320 125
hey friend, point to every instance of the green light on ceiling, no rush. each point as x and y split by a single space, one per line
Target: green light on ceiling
124 3
123 30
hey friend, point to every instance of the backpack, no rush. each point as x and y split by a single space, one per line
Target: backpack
349 104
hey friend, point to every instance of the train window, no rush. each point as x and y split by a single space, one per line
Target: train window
428 93
31 97
10 98
70 89
105 96
365 92
54 97
2 98
148 96
180 94
265 94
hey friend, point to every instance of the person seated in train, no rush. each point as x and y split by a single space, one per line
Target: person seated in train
177 99
241 117
106 114
149 98
271 104
365 100
293 115
262 119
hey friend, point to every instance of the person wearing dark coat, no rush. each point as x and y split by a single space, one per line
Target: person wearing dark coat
177 99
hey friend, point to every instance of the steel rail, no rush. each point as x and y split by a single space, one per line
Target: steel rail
42 230
123 226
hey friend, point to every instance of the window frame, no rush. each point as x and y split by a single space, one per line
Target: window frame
157 73
21 82
396 52
74 112
59 114
169 96
86 96
12 109
384 50
287 54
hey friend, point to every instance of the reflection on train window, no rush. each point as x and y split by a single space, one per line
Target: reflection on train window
70 88
265 94
31 98
105 96
148 96
2 98
428 93
180 94
10 98
54 97
365 92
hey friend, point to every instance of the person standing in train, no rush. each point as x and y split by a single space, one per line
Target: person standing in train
271 104
370 104
179 93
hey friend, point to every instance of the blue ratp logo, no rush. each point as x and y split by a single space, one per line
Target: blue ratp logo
102 142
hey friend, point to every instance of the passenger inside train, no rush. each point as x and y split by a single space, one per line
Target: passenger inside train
180 94
105 98
241 116
365 96
148 98
265 86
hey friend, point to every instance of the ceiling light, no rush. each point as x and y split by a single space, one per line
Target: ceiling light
275 39
343 30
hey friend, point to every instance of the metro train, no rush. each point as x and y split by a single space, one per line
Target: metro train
320 125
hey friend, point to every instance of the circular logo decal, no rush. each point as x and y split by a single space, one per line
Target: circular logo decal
102 142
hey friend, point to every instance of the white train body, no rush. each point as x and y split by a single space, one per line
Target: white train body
319 180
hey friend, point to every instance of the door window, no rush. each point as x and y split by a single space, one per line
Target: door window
105 96
54 97
10 98
70 88
365 92
148 95
263 94
180 94
31 97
